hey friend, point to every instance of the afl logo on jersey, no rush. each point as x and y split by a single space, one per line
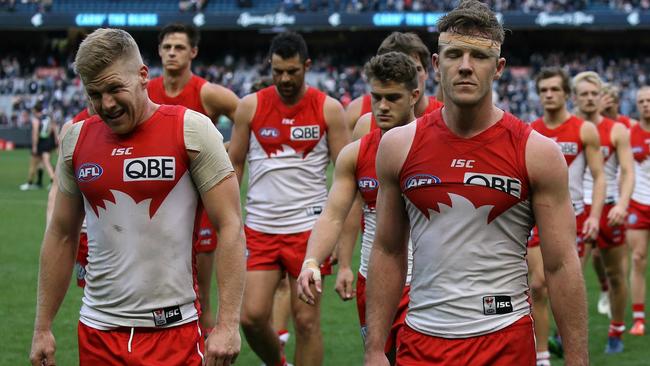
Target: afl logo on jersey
88 172
269 132
367 184
305 133
420 180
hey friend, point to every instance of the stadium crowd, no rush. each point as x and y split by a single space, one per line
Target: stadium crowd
24 82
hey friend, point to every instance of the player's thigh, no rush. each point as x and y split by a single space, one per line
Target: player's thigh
258 293
638 241
305 315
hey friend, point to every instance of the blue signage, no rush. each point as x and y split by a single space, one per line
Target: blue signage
116 19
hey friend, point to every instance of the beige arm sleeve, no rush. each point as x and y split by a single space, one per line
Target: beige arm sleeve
64 170
212 164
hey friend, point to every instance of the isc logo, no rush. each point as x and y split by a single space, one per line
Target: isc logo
509 185
462 163
302 133
149 168
568 148
269 132
367 184
421 180
118 151
88 172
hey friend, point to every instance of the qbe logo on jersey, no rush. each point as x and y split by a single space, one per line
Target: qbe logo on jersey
509 185
150 168
305 133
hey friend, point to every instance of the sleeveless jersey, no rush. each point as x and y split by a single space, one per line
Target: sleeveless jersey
84 114
287 161
567 135
640 143
624 120
610 167
368 185
190 97
141 207
432 106
470 214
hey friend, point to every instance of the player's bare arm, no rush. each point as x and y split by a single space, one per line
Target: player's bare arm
362 127
352 112
591 142
219 100
388 259
345 250
621 140
57 258
51 195
212 173
338 134
555 218
327 228
240 136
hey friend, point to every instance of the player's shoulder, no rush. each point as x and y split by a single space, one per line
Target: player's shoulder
355 103
362 127
543 156
349 155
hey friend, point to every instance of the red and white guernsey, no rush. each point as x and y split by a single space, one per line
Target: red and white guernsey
141 203
288 156
368 185
610 158
189 97
470 215
640 143
567 135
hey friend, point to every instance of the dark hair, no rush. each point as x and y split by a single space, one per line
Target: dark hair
472 17
407 43
287 45
192 33
393 66
549 72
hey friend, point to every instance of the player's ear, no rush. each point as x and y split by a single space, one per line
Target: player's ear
143 75
415 95
194 52
501 65
307 64
436 66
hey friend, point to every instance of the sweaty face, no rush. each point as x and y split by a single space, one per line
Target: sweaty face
466 74
176 52
587 97
392 103
288 75
643 104
118 95
551 94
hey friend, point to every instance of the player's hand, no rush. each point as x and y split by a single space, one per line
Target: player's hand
590 228
344 281
616 216
606 101
43 348
375 358
222 346
309 274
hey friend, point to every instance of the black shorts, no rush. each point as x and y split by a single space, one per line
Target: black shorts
45 145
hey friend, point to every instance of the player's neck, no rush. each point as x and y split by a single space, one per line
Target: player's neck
555 118
594 117
467 122
645 124
295 99
421 106
174 82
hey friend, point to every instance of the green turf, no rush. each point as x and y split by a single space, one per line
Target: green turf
22 218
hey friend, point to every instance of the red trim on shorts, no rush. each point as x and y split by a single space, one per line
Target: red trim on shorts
533 240
513 345
176 346
608 236
638 217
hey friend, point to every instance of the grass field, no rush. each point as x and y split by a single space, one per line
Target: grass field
22 220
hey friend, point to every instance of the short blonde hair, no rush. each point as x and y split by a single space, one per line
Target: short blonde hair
588 76
611 90
102 48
